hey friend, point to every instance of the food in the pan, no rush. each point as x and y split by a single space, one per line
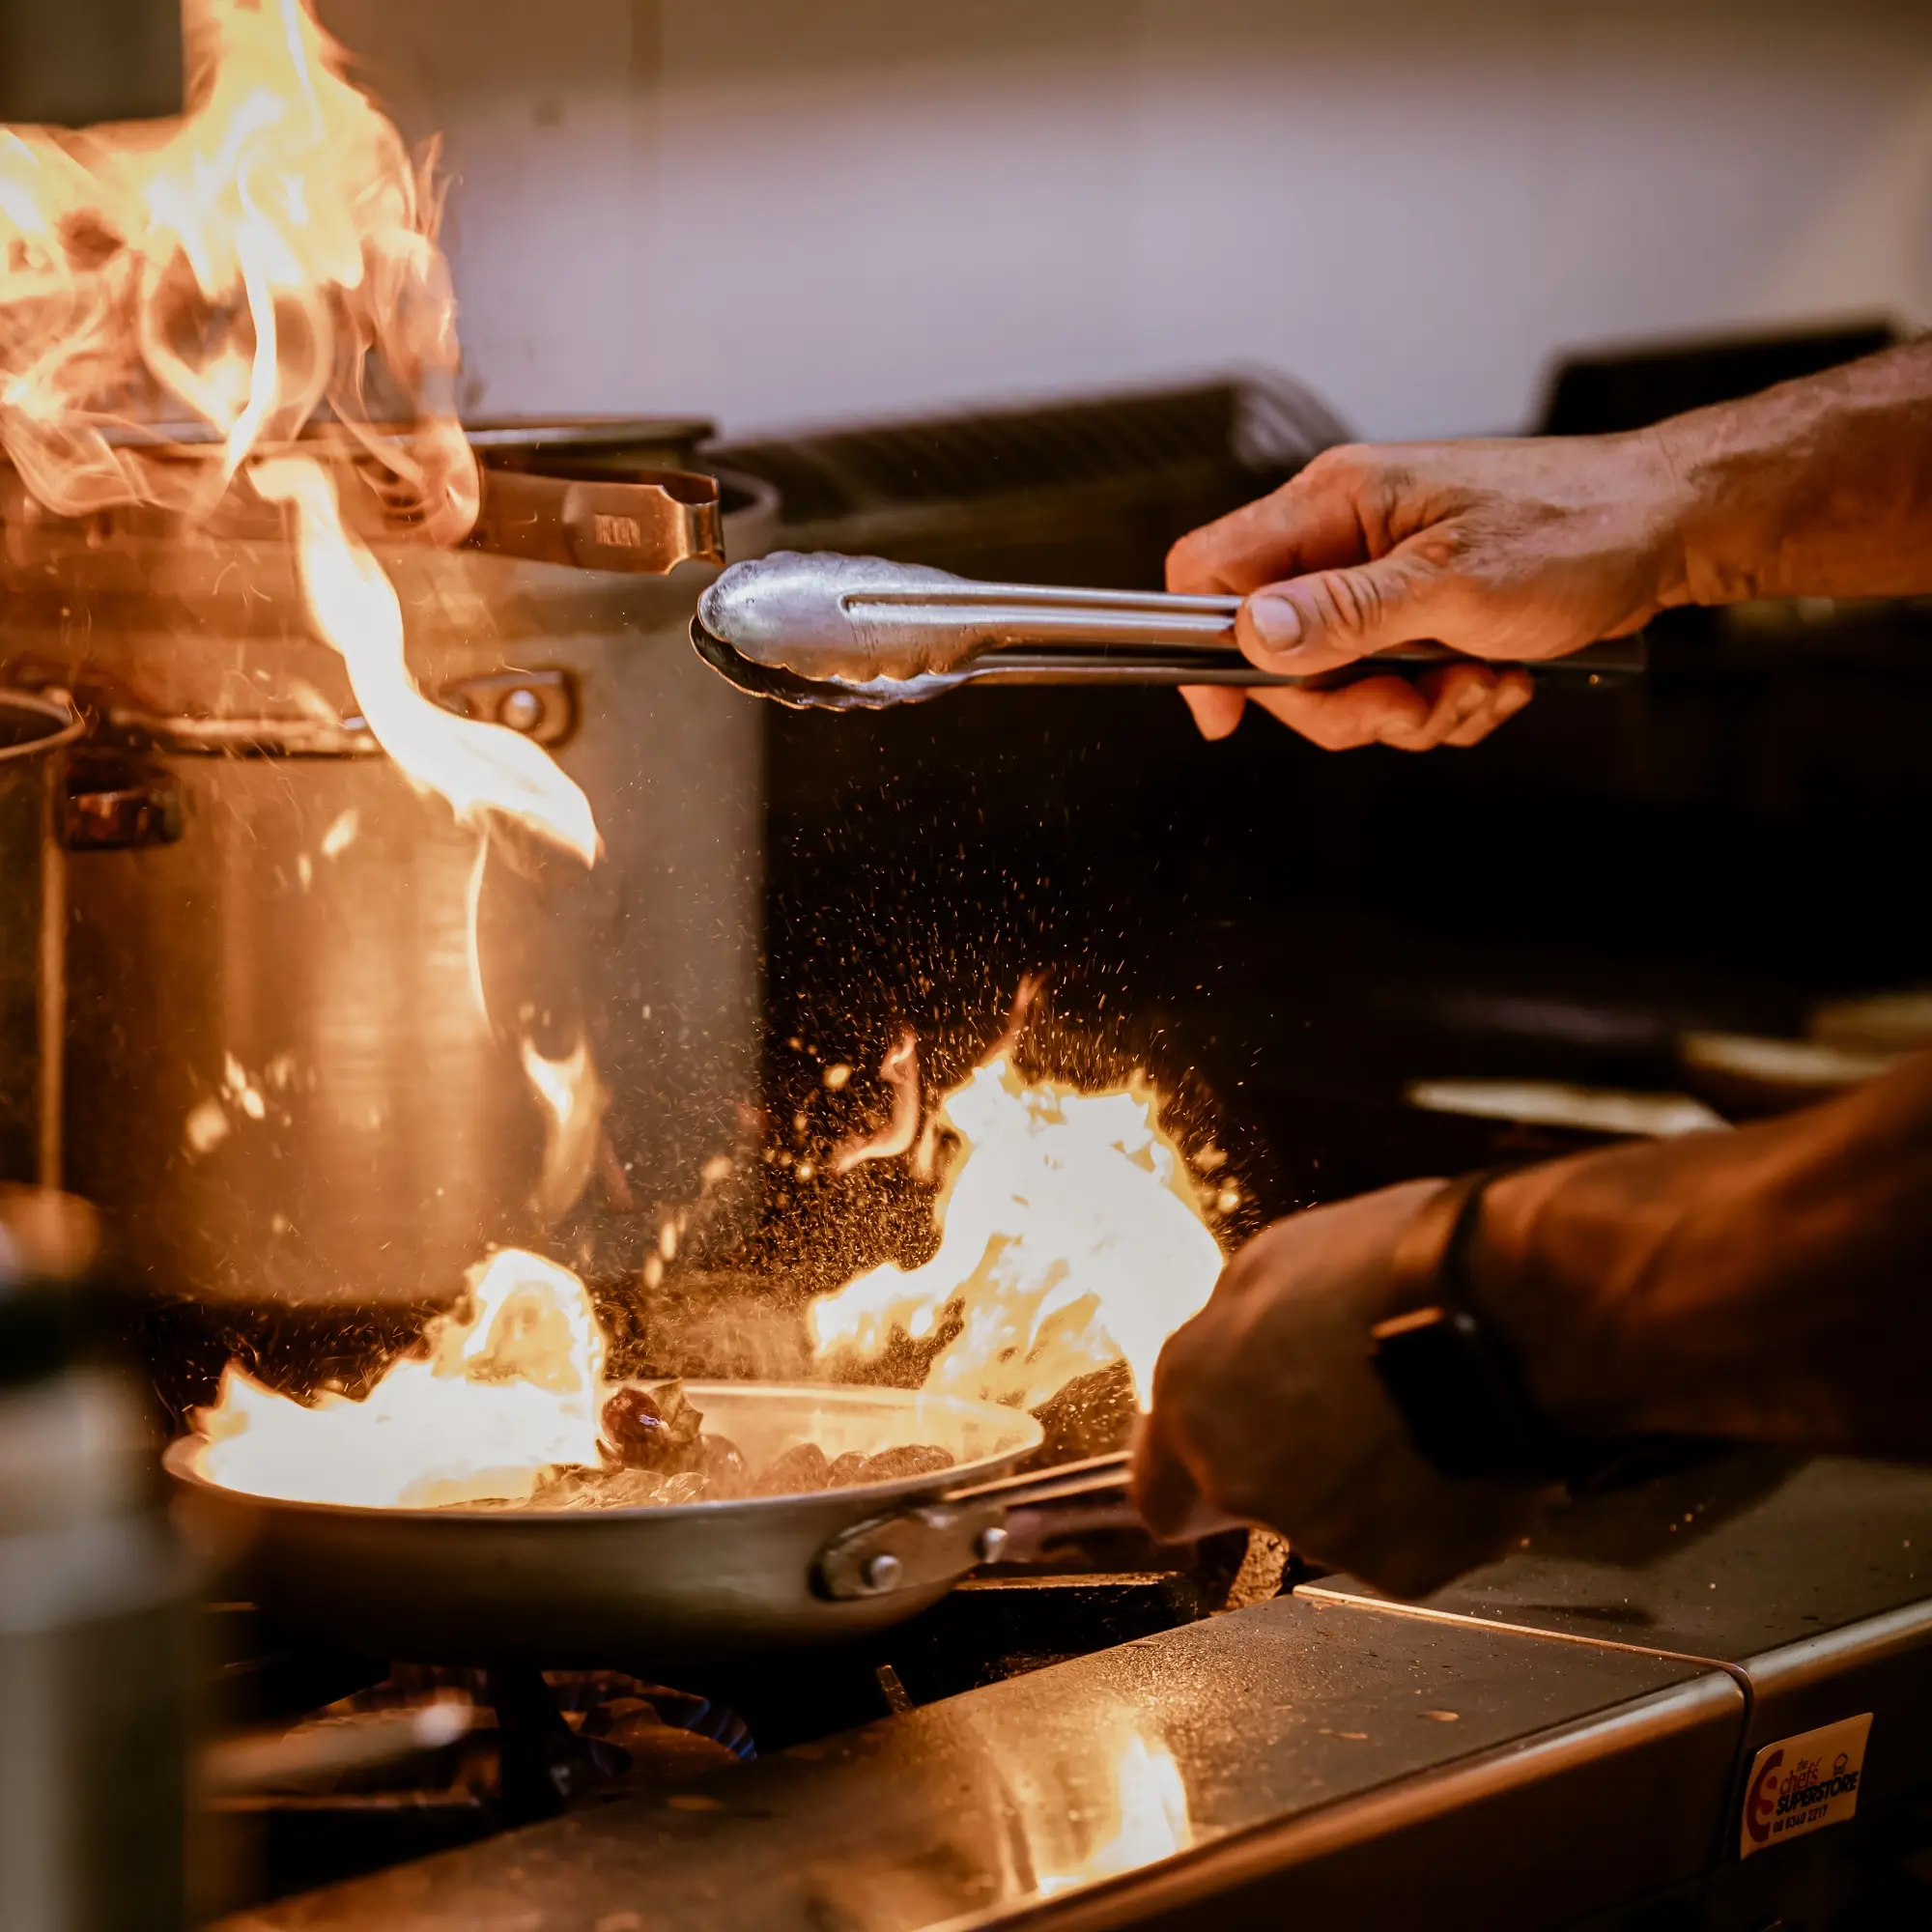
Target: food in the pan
645 1428
653 1451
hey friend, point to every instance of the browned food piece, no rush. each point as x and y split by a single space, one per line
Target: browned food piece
651 1429
722 1463
846 1470
800 1469
911 1459
634 1429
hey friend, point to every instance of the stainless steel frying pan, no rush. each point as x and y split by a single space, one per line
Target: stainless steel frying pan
689 1583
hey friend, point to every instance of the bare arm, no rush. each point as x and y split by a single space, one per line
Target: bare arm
1534 547
1773 1284
1821 488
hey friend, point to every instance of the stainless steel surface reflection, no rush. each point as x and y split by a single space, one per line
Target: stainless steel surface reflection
1320 1745
1809 1581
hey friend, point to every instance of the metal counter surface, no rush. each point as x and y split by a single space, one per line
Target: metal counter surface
1322 1752
1731 1561
1810 1581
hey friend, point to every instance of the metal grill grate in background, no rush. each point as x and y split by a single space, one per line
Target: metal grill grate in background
1086 490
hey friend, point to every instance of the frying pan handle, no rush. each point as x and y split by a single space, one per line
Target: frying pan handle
1098 1476
931 1544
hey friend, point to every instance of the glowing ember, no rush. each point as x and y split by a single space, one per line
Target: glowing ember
513 1384
1069 1238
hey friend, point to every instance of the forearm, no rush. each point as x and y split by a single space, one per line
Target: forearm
1819 488
1771 1284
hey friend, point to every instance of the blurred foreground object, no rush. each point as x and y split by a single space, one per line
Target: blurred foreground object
94 1612
72 62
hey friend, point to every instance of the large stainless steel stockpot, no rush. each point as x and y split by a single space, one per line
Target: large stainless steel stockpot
280 1082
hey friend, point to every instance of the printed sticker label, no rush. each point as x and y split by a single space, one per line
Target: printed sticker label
1804 1783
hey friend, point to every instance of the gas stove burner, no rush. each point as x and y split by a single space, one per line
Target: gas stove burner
428 1758
340 1767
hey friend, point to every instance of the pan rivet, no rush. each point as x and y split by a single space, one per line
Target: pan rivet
522 710
881 1571
990 1544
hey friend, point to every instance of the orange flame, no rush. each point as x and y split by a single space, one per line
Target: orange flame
244 264
513 1384
239 263
899 1070
177 303
1069 1238
573 1099
479 767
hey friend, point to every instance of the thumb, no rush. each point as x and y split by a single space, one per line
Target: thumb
1331 618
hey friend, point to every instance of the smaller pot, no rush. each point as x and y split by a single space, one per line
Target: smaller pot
35 729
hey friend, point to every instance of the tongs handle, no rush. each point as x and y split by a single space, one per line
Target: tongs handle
1611 661
1049 634
1040 614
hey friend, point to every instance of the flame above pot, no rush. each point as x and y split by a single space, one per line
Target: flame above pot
250 264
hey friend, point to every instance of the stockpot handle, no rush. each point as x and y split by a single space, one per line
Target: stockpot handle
933 1544
645 522
114 803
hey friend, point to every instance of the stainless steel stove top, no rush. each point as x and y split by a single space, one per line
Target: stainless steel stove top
1560 1741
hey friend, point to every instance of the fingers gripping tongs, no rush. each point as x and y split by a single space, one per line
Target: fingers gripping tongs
856 633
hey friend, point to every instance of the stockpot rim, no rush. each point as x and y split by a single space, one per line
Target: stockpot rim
60 712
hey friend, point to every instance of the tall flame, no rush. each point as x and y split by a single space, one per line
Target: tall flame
241 267
1069 1238
513 1383
238 264
479 767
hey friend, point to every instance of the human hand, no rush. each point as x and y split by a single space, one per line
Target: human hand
1516 550
1268 1409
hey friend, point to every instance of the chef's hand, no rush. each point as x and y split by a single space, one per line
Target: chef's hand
1266 1409
1516 550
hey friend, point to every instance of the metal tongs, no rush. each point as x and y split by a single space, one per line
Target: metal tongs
836 633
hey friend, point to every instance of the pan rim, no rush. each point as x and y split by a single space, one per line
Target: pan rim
179 1457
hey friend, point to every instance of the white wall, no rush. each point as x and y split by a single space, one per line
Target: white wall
772 213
